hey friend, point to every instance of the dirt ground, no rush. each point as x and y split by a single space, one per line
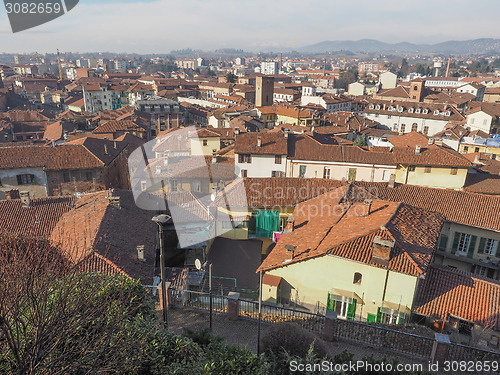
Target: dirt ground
244 333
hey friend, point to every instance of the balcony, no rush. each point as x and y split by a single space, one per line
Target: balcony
494 264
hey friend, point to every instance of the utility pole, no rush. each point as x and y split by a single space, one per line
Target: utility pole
161 220
260 313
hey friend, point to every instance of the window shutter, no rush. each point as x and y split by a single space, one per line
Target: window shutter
249 158
19 180
32 178
472 246
442 243
402 318
379 316
495 249
456 241
240 158
351 310
482 245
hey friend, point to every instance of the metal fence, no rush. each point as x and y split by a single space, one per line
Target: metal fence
274 314
379 337
459 352
397 341
198 300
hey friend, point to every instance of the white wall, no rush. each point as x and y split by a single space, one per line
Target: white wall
261 166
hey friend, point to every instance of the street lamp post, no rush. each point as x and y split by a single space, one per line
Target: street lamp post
203 267
161 220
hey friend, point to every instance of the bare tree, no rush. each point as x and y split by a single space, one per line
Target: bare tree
54 320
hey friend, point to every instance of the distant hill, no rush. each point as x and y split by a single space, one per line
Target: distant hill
476 46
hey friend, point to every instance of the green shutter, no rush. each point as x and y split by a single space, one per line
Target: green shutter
371 318
351 310
330 305
472 246
402 318
379 315
267 222
443 240
19 180
497 253
456 241
482 245
32 178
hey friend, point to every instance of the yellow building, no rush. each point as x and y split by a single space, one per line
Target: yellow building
353 256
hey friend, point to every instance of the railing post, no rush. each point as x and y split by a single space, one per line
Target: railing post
440 348
330 325
233 305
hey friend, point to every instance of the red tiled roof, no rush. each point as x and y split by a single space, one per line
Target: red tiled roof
38 220
447 291
457 206
53 132
271 280
340 231
271 144
50 158
273 192
411 139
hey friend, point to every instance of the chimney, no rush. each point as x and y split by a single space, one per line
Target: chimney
382 250
236 131
366 207
476 159
438 142
392 181
259 141
140 253
105 149
291 223
114 200
25 198
12 194
418 148
286 132
165 160
214 157
431 141
114 145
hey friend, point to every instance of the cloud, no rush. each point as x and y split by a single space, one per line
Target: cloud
159 26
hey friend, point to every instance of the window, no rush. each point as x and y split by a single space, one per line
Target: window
89 176
277 159
454 171
352 174
464 244
276 174
244 158
488 246
403 128
357 278
244 173
414 127
427 169
345 307
426 130
411 168
25 179
466 149
326 172
476 149
205 142
302 171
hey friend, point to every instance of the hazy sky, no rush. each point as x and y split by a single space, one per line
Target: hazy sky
159 26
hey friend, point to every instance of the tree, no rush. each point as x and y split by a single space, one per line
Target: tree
230 78
361 141
55 320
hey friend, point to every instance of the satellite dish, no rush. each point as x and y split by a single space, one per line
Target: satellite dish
212 197
197 264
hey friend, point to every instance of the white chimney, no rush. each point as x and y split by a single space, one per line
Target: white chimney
25 198
259 141
418 149
140 253
105 149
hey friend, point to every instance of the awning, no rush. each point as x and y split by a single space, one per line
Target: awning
390 307
348 294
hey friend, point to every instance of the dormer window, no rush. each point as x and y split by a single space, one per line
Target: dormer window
410 110
371 106
447 113
425 111
377 107
418 110
391 108
436 112
400 109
